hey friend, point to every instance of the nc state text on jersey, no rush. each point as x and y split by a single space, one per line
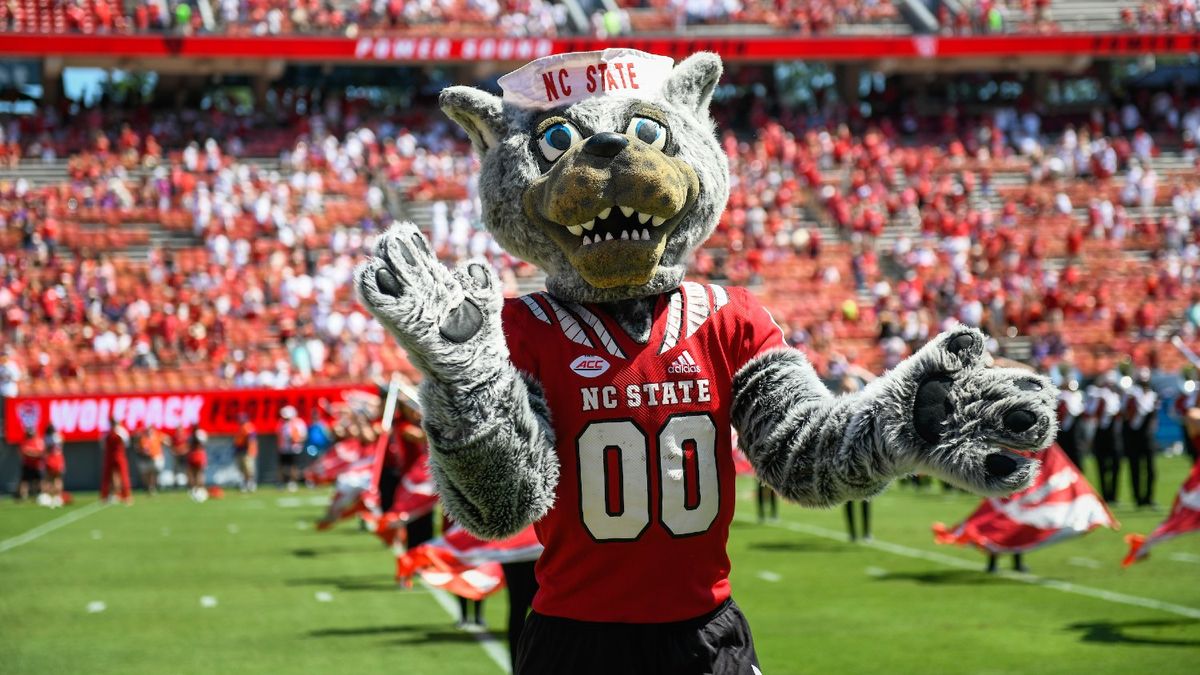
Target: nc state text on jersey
647 394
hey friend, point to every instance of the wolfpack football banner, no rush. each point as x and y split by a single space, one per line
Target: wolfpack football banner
1184 518
1059 505
86 417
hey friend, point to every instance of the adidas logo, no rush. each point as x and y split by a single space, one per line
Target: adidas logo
684 365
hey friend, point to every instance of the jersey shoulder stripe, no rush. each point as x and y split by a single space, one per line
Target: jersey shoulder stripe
566 322
535 308
674 322
720 297
697 307
597 326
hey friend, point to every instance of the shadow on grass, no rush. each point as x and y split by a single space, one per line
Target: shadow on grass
950 578
800 546
404 634
325 550
1112 632
361 582
434 636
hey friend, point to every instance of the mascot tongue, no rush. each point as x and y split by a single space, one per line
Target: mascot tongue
565 79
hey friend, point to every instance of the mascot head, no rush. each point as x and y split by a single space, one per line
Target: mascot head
602 168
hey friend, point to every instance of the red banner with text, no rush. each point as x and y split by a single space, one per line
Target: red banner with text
86 417
408 49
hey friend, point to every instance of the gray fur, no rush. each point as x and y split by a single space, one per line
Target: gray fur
511 165
493 448
498 473
635 316
821 450
492 445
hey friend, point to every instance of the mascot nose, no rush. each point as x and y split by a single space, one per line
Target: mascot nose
605 144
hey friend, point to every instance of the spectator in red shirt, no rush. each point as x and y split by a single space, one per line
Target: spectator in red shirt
197 462
56 466
33 451
115 444
245 452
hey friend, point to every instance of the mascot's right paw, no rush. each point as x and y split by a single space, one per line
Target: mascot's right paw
966 419
446 321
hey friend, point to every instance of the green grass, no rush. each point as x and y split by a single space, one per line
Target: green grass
816 604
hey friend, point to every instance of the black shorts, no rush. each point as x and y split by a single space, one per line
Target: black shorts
287 459
718 643
30 474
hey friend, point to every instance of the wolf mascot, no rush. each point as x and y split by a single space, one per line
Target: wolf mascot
601 410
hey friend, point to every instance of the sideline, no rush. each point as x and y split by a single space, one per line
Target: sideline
961 563
50 526
485 638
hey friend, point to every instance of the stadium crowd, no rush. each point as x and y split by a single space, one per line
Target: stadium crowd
864 238
515 18
545 18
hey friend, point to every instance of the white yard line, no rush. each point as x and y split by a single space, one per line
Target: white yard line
768 575
490 644
50 526
1185 557
961 563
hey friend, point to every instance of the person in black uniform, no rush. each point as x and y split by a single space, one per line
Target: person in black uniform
767 497
1104 406
1139 424
1070 408
1187 401
866 519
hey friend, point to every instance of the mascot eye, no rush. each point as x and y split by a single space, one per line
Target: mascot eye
648 131
556 140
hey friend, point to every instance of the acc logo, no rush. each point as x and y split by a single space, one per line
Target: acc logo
589 366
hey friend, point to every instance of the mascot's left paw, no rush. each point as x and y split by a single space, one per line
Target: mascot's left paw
967 419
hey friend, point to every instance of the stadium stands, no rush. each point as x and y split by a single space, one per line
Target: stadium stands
131 263
549 18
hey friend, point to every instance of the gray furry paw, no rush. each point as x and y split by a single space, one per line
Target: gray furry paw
965 420
449 322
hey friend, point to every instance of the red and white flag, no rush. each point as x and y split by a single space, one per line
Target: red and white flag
1059 505
342 456
1184 518
465 565
415 496
352 468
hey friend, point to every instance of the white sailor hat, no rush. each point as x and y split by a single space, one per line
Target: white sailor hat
563 79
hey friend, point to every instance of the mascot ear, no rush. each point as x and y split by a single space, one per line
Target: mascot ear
692 82
479 114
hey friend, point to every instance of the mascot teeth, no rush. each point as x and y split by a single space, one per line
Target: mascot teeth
575 229
646 235
658 220
587 240
643 217
627 211
624 236
589 224
603 215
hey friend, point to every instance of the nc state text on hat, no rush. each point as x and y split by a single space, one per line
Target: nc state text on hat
599 77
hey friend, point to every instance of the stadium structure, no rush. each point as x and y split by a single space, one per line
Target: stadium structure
185 185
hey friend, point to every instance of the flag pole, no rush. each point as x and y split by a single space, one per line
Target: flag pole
389 406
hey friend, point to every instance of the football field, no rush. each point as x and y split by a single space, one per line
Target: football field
245 585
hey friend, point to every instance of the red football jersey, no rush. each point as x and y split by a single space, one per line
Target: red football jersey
645 494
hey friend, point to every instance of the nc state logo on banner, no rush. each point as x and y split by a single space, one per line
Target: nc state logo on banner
589 366
30 414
